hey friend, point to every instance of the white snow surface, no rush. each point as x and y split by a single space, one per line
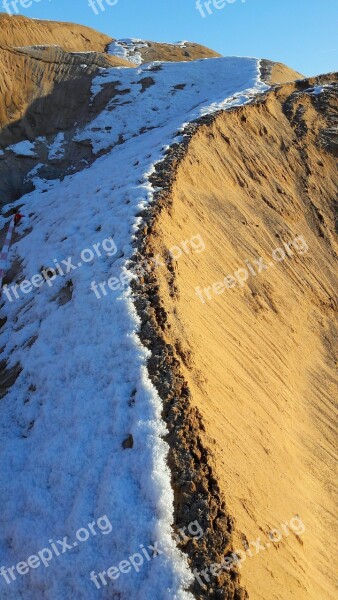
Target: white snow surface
128 49
24 148
63 422
318 89
209 85
56 148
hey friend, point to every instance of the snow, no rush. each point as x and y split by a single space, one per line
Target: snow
32 175
182 44
24 148
317 89
63 423
210 84
128 49
56 149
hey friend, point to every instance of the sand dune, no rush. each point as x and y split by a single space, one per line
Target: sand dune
28 72
243 315
259 358
21 31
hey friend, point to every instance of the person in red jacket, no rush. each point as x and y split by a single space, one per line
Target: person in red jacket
17 219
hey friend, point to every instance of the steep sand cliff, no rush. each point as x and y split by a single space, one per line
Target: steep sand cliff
256 358
28 72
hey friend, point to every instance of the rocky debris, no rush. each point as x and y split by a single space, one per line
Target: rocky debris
196 492
296 106
8 377
128 443
146 82
65 294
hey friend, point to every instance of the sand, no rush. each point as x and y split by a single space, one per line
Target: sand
175 53
259 359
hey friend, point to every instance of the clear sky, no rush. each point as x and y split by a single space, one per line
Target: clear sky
300 33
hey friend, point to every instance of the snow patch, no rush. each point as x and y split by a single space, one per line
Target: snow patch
56 149
128 49
24 149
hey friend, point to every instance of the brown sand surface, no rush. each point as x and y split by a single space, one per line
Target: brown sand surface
21 31
174 53
280 73
27 73
259 358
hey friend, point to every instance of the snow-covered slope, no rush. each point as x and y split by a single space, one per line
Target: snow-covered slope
84 387
165 96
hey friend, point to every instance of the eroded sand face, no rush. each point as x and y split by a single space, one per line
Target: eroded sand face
258 357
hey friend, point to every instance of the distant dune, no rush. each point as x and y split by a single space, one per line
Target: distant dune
27 73
181 51
21 31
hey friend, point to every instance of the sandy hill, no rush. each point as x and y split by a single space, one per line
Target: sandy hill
235 296
172 52
274 72
256 344
36 56
21 31
141 51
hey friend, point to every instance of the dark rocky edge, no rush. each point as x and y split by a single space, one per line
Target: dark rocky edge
197 496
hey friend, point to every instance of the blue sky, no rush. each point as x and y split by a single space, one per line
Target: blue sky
300 33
